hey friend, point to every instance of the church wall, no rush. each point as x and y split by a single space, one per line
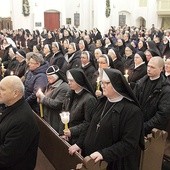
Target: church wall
92 13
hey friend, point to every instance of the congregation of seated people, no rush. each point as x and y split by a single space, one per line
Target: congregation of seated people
81 71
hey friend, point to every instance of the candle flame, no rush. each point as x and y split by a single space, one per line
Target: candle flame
164 58
126 72
11 73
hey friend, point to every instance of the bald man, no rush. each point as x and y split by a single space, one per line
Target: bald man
19 133
153 92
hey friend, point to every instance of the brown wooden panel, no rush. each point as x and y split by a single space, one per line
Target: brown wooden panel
55 149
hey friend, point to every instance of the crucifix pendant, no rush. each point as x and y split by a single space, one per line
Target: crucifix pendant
98 126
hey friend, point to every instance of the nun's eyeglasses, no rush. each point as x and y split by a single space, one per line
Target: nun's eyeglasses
105 83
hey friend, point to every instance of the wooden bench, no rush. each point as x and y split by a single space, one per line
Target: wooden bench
53 152
151 157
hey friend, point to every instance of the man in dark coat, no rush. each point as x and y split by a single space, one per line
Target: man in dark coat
153 93
115 132
19 132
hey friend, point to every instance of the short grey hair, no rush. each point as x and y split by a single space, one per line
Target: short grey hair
37 57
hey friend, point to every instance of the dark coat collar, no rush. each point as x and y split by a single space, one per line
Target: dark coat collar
7 110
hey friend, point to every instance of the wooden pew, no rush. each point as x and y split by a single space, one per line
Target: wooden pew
151 157
53 152
54 148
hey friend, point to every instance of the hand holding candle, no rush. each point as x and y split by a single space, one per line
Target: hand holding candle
126 75
65 118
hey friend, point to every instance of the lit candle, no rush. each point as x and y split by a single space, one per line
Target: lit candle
164 58
98 83
26 44
65 118
41 108
126 75
11 73
2 69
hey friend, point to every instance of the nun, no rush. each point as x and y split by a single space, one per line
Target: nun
128 58
58 57
54 96
104 61
115 134
139 69
81 101
117 60
88 65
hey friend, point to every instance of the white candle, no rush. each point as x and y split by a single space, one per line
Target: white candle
41 108
2 69
164 58
98 83
126 75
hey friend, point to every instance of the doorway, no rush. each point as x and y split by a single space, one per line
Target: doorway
52 20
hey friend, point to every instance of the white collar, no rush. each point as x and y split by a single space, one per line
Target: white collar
154 78
136 66
117 99
83 65
167 74
77 92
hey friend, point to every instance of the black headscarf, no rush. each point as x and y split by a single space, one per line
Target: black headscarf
142 55
54 69
81 79
120 84
152 46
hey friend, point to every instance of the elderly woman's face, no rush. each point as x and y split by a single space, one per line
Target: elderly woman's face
51 78
128 51
71 49
54 48
73 85
137 59
102 62
167 65
84 59
108 89
46 49
33 64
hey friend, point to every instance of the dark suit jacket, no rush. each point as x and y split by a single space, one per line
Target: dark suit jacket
19 136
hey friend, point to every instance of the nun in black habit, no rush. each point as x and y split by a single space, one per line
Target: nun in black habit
115 134
80 103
